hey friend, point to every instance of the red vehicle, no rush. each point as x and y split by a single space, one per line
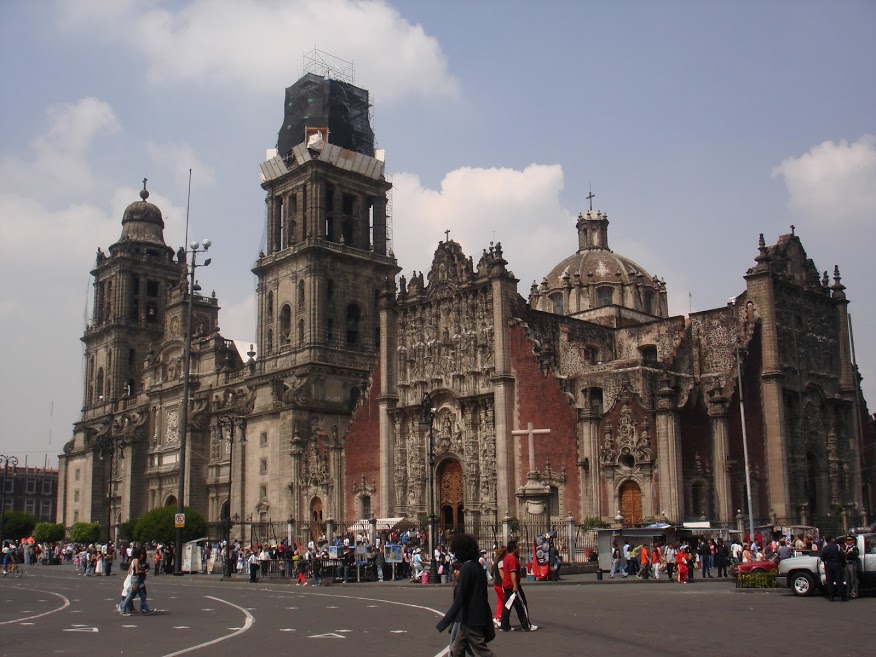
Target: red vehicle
768 565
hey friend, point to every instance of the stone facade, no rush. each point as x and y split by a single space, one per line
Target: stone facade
587 398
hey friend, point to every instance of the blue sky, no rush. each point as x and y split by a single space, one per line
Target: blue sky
698 126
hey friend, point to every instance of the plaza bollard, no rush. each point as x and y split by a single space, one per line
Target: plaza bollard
599 575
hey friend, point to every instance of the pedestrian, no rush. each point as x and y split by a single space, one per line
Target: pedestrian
615 561
252 561
315 568
656 561
850 552
704 553
681 561
834 569
470 608
498 555
139 569
645 562
722 555
302 570
513 591
379 563
669 554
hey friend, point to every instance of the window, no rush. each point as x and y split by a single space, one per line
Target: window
46 509
47 486
354 315
76 475
75 496
269 309
300 332
300 295
330 329
330 289
591 355
99 385
604 296
30 507
270 340
8 504
132 358
75 516
263 439
366 506
10 484
263 492
285 324
697 498
557 303
649 302
263 466
30 486
648 353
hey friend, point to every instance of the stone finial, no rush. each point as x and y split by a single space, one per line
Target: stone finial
837 287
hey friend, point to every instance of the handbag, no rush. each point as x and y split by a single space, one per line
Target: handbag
441 569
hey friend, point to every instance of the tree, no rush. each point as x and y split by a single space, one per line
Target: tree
18 525
85 532
157 525
49 532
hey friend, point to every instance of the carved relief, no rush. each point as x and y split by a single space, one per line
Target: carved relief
171 424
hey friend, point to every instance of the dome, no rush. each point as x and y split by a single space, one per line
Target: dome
595 277
142 222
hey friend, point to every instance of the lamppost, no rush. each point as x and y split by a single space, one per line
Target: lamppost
745 445
110 444
194 246
427 418
7 463
230 422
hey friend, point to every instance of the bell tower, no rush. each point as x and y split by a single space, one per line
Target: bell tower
130 292
328 255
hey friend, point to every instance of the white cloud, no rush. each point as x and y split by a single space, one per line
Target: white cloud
521 209
253 44
833 183
177 160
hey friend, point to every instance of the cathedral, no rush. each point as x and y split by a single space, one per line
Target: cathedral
372 394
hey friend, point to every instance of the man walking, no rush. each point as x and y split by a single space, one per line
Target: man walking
514 596
834 569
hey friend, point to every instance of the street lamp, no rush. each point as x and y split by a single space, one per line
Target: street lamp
230 422
427 418
7 463
194 246
110 444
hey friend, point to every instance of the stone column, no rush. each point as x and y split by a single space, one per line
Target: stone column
337 215
720 449
379 218
388 399
503 390
669 468
588 459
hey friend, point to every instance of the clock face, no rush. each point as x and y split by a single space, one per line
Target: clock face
174 326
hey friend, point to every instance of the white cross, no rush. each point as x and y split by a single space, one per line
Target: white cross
530 431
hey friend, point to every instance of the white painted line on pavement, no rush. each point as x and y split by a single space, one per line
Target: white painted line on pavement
45 613
250 619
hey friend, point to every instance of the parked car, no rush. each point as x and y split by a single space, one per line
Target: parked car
804 575
769 565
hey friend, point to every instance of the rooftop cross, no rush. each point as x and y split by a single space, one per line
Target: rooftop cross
590 198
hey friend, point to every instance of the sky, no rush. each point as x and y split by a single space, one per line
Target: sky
697 126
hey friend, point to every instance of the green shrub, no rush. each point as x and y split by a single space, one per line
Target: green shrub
757 581
49 532
157 525
18 525
85 532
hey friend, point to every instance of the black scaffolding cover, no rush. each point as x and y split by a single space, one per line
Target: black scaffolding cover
317 102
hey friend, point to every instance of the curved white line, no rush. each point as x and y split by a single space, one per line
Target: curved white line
45 613
248 624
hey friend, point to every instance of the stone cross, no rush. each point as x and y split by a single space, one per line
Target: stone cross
590 198
446 235
531 432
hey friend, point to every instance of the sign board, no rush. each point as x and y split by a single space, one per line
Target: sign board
179 520
392 553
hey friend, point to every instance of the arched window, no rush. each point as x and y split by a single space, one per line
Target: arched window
649 302
557 303
270 341
285 324
269 309
98 386
354 315
330 329
604 296
300 332
300 295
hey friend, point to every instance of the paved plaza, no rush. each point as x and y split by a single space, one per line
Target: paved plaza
53 611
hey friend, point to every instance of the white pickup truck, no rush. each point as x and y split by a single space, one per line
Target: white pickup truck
803 575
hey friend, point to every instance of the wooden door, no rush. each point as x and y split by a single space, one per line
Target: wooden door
450 495
631 503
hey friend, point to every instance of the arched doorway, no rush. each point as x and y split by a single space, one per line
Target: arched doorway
170 501
631 502
450 496
315 519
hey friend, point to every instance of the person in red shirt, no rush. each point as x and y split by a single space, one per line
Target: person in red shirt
511 586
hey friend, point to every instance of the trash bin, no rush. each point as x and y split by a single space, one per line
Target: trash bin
599 575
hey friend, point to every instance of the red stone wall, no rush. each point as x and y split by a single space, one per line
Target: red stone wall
541 400
362 449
